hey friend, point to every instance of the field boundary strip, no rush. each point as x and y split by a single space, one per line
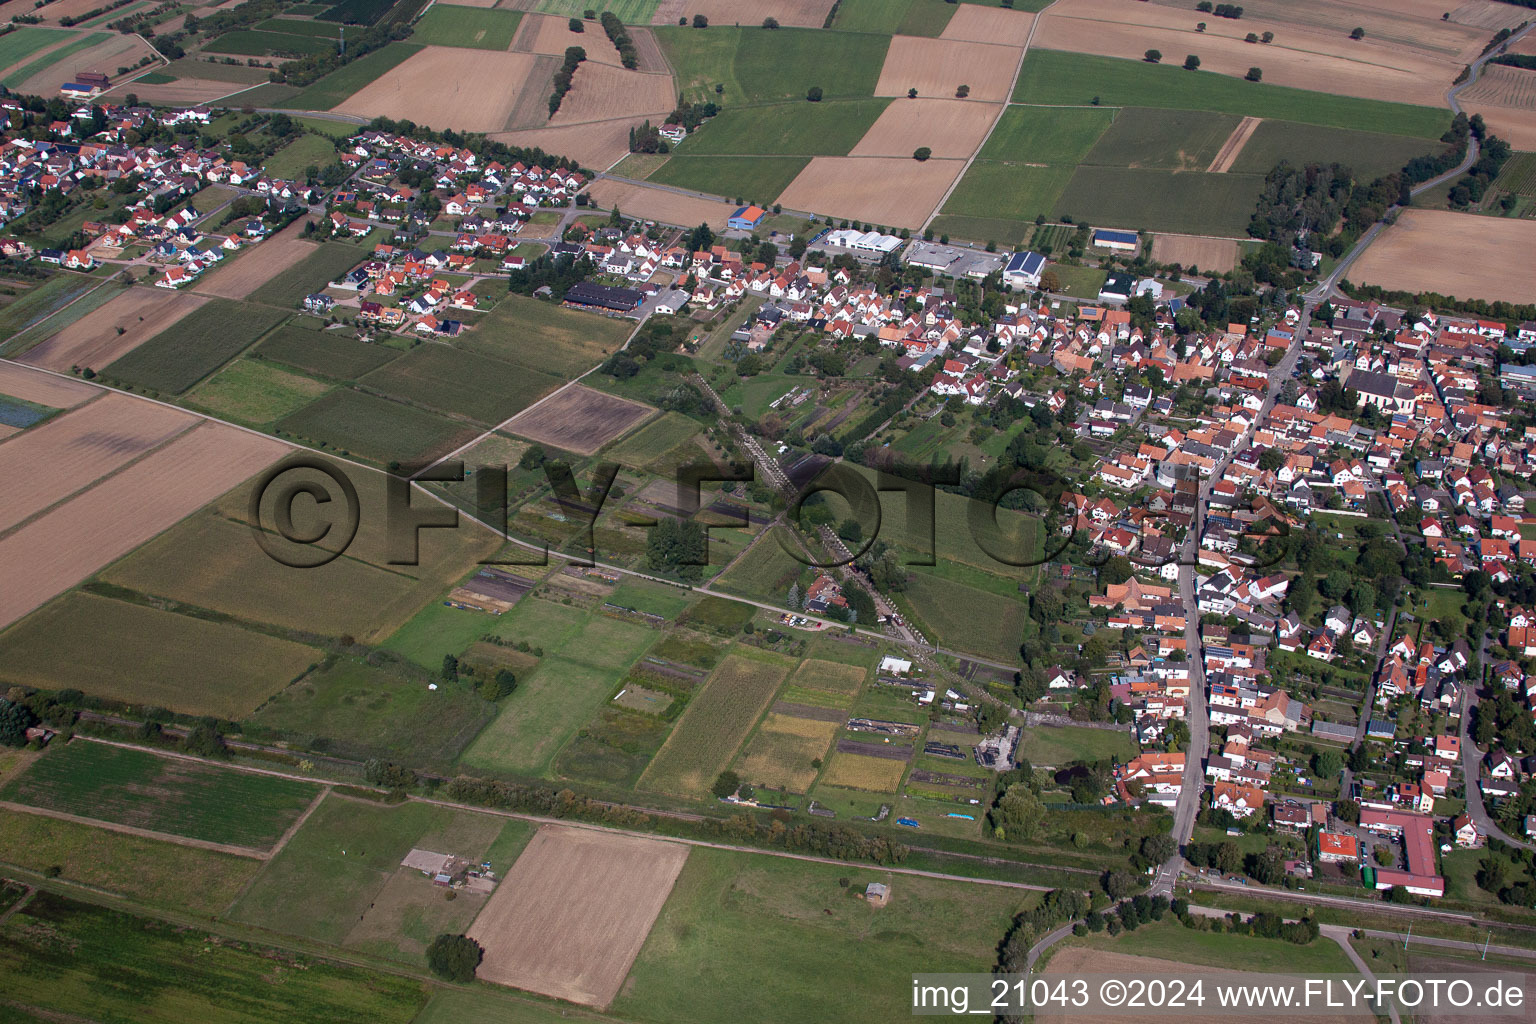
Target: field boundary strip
248 852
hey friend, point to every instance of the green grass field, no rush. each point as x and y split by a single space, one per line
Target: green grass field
25 40
719 615
162 794
185 664
1001 192
758 65
653 441
1054 77
1369 154
545 337
200 343
1061 746
746 937
651 598
1173 140
613 748
828 128
312 273
1169 940
48 60
148 870
893 17
452 381
305 151
300 27
488 1005
248 43
1080 282
764 573
754 178
70 959
1046 135
328 353
362 711
716 723
964 618
479 28
1195 203
254 392
38 302
346 80
631 12
375 428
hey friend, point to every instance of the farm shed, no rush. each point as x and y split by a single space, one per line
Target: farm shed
1121 241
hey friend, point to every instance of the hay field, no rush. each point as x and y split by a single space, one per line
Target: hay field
666 207
891 191
861 771
579 419
69 453
1475 257
980 24
241 276
1233 147
94 341
31 385
832 676
603 92
790 13
570 917
449 87
937 67
1203 251
56 551
1299 57
780 756
117 51
949 127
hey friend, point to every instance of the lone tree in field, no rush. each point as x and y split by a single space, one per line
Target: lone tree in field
1267 37
1358 33
1191 63
454 957
911 94
1200 27
726 783
1252 37
1254 74
813 94
699 21
770 23
962 92
576 25
1153 56
921 153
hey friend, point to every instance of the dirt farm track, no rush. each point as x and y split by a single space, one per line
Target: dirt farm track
570 917
1456 254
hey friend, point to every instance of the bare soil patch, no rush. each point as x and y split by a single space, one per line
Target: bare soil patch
53 553
989 25
661 205
937 67
451 87
548 34
106 57
184 92
951 128
70 452
31 385
570 917
1203 251
889 191
798 13
579 419
1301 56
94 341
250 270
1474 257
1234 145
603 92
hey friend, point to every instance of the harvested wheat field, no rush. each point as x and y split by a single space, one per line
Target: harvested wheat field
119 51
891 191
797 13
1074 961
989 25
1516 127
1234 145
1502 86
1524 45
937 67
570 917
184 92
548 34
253 268
54 552
578 419
1301 57
1203 251
597 144
951 128
69 453
602 92
452 87
1473 257
31 385
660 205
94 341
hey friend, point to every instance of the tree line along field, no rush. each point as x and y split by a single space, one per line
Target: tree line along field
163 794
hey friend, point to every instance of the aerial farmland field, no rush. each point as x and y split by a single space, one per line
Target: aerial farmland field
760 66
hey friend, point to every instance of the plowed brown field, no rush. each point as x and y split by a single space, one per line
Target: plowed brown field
937 67
94 341
597 144
988 25
891 191
800 13
951 128
451 87
242 275
660 205
1473 257
603 92
31 385
1218 254
578 419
